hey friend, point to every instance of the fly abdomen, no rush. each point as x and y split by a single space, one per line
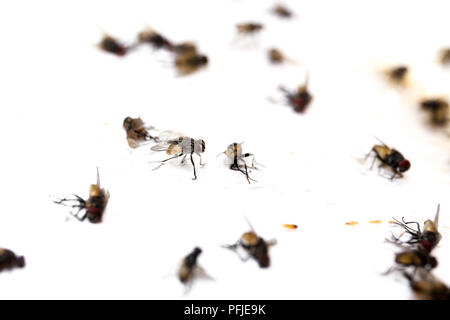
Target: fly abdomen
95 208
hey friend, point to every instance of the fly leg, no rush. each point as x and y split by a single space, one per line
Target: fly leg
163 161
234 248
201 164
193 164
81 205
80 202
236 167
78 217
405 224
183 160
374 158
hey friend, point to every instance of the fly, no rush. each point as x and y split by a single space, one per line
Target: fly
93 207
178 145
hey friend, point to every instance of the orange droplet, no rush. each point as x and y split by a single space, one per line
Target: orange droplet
375 221
352 223
391 221
290 226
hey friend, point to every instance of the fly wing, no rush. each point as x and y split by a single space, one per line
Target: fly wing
384 144
160 147
166 138
382 151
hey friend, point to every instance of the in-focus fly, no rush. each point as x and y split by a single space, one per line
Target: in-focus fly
178 145
238 159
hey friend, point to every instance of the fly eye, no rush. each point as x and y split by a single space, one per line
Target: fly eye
404 165
426 244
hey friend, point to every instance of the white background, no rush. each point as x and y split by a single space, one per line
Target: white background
62 106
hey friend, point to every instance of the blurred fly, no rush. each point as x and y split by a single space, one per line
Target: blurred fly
426 286
277 57
112 45
188 267
428 238
391 158
254 246
93 207
9 260
282 11
444 56
155 39
398 75
137 132
299 99
178 145
415 257
438 109
190 62
249 28
185 48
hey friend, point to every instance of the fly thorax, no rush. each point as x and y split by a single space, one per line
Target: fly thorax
94 191
249 239
429 226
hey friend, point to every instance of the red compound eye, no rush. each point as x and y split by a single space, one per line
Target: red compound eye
426 244
404 165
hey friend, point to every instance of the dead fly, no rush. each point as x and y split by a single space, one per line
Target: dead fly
185 48
391 158
282 12
9 260
190 62
444 56
188 266
398 75
277 57
417 257
93 207
137 132
249 28
112 45
154 39
426 286
299 99
254 246
177 145
238 159
428 238
438 109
